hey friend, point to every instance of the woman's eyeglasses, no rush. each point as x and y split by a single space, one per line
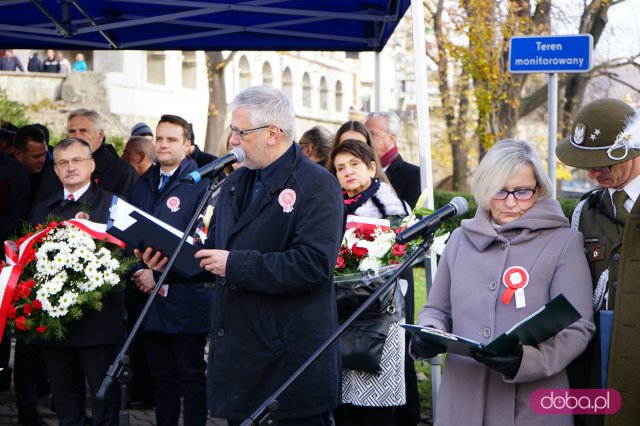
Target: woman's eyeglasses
518 194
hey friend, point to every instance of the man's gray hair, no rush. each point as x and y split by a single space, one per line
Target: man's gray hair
66 143
498 166
267 105
92 115
393 121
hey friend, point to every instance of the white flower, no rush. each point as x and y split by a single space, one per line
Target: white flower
349 238
68 299
60 259
58 311
111 278
370 263
96 281
376 249
438 244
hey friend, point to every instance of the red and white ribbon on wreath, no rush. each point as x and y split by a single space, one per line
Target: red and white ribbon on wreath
515 278
18 257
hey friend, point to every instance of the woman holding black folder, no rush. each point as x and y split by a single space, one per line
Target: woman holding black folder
515 255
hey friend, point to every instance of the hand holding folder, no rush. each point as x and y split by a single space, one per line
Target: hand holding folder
543 324
138 229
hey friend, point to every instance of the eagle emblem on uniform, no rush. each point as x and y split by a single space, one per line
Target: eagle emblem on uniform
578 133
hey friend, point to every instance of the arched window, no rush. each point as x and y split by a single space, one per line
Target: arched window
324 94
339 96
245 73
306 90
267 75
287 83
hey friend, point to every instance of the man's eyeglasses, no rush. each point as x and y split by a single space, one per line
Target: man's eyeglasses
603 169
518 194
63 164
242 133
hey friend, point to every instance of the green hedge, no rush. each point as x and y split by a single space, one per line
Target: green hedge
442 198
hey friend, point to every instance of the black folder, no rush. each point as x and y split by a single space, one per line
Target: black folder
543 324
141 230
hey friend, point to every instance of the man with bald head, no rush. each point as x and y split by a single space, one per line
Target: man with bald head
140 153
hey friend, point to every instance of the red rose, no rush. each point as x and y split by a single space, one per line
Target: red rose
398 249
359 252
41 329
340 262
37 305
27 309
21 323
30 283
11 311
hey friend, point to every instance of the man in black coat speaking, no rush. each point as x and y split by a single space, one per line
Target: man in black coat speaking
272 244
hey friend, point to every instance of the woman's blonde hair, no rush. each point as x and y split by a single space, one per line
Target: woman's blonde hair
500 163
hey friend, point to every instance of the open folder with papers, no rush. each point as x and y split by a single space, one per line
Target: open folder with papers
138 229
543 324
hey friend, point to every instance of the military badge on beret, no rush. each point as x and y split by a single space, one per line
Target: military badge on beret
578 133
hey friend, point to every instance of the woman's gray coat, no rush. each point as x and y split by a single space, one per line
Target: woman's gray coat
465 300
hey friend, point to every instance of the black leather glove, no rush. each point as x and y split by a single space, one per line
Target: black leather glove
507 364
425 349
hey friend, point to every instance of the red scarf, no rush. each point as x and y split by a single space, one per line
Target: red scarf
389 156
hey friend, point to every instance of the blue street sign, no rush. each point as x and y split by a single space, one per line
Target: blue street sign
550 54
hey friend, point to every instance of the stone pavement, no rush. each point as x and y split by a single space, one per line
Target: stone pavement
138 415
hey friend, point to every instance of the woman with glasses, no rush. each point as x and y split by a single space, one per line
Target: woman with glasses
513 257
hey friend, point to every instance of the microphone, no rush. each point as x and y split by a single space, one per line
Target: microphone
456 207
216 166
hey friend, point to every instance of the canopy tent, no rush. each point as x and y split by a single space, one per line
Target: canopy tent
335 25
312 25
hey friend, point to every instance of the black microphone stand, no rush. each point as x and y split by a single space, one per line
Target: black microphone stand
120 367
264 415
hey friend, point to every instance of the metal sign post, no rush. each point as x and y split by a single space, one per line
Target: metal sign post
551 54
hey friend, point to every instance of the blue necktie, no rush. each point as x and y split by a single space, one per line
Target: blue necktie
163 181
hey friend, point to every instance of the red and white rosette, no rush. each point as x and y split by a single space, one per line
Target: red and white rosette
515 278
17 257
287 199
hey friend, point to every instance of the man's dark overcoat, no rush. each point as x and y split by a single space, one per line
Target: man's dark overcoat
276 304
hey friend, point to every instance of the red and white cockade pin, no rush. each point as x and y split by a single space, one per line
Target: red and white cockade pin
515 278
173 203
287 199
82 215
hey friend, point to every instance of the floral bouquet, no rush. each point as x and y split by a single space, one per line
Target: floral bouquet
65 268
369 247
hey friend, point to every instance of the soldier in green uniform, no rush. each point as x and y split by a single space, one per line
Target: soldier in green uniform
605 140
